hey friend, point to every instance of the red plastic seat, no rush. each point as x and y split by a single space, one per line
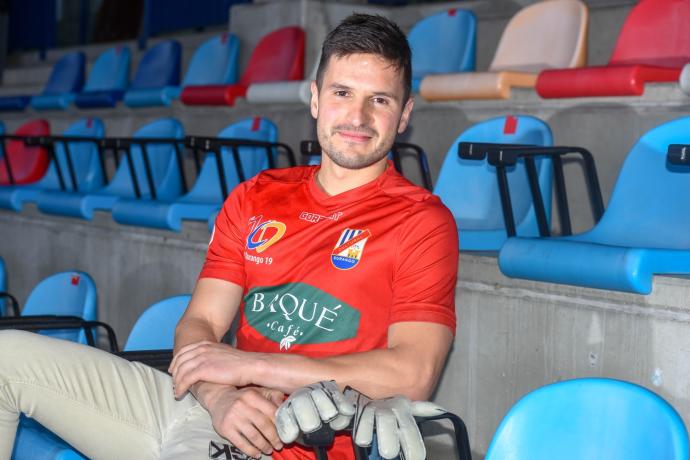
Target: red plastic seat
28 164
279 56
653 46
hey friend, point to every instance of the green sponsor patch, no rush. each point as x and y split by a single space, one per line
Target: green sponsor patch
299 313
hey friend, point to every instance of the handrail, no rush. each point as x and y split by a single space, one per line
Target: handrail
13 302
398 149
125 144
215 144
505 155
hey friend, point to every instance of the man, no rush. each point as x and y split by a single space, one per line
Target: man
342 272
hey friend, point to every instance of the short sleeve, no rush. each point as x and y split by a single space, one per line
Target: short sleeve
225 255
426 266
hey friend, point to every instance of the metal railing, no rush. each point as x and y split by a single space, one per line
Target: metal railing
502 156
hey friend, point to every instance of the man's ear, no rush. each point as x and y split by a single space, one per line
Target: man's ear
406 114
314 99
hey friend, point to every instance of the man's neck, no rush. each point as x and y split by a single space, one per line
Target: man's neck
334 179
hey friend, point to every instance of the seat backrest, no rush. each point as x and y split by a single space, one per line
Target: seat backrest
469 187
590 418
66 293
110 71
28 164
84 156
207 185
164 167
544 35
159 67
214 62
67 75
655 33
155 328
647 208
443 43
278 56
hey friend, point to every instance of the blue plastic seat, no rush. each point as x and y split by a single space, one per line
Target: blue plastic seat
215 62
444 42
154 330
643 232
158 69
165 173
468 187
206 195
593 419
66 80
107 80
84 156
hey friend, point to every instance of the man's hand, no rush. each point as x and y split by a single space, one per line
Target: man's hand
245 417
309 407
208 362
393 420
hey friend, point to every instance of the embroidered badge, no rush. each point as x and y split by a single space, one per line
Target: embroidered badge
348 251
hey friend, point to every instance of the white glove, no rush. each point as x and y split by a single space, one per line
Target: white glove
395 425
309 407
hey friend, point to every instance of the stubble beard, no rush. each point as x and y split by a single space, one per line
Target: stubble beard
342 159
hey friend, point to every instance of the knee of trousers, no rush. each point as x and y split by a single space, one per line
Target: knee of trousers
14 349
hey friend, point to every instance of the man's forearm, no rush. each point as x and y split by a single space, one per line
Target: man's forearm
406 368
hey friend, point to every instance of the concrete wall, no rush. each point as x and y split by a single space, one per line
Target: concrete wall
513 336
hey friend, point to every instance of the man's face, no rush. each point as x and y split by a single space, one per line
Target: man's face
359 109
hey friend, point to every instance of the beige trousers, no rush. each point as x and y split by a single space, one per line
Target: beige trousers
105 406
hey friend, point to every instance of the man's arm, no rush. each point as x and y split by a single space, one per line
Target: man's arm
246 417
409 366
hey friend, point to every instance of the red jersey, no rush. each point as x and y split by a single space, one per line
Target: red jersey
327 275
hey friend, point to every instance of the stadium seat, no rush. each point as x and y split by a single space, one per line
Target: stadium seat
643 231
548 34
206 195
278 56
27 164
164 169
282 92
213 63
154 330
468 187
590 418
653 46
84 164
66 80
443 43
107 80
158 70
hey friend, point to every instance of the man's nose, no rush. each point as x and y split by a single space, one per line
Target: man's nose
359 113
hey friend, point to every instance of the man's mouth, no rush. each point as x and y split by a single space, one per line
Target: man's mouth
354 136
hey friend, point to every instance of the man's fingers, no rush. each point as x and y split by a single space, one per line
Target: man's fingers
183 350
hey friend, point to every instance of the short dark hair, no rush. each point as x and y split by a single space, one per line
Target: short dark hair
370 34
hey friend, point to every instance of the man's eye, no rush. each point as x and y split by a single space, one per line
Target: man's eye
381 100
341 93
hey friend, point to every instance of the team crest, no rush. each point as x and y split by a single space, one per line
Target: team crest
348 251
